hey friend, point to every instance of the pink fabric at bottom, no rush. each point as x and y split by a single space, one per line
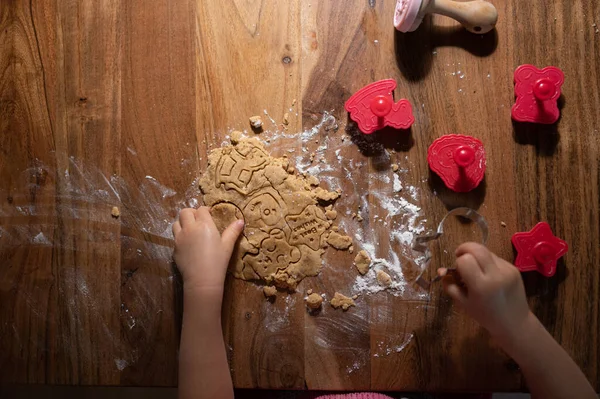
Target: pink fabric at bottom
362 395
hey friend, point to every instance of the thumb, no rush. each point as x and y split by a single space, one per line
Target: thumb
231 234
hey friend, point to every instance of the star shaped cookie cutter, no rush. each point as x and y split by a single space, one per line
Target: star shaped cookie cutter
421 244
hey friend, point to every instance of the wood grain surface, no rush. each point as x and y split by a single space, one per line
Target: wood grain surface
117 103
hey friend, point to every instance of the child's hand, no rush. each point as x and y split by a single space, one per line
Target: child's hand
491 292
201 253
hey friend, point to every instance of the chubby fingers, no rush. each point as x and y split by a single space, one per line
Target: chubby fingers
176 228
186 217
469 270
480 253
454 290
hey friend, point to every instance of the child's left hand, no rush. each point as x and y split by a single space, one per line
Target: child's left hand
201 253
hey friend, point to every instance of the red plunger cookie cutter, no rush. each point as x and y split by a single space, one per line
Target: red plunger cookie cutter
373 108
538 249
537 92
459 160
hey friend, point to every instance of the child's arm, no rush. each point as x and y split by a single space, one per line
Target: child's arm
492 292
202 256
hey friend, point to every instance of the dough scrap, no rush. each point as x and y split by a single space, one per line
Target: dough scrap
255 122
383 278
339 241
331 214
325 196
115 212
342 301
269 291
286 227
235 136
314 301
362 262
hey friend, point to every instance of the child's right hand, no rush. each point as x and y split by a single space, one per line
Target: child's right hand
490 290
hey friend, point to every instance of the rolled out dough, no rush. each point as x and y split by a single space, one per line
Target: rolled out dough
286 227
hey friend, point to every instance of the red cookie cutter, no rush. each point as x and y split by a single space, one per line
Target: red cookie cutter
373 108
539 249
537 92
459 160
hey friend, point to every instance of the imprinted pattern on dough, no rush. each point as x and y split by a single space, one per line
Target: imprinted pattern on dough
285 225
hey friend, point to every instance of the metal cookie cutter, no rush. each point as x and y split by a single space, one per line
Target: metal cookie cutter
422 243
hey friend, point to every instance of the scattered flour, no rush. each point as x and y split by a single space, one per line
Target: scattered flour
397 184
121 364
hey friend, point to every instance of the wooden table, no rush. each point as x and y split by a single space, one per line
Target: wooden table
116 103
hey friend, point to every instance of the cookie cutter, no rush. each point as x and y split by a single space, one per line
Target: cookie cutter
421 244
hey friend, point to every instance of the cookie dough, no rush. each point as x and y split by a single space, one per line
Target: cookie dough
330 213
314 301
362 262
383 278
256 122
269 291
236 136
339 241
115 212
285 223
342 301
325 196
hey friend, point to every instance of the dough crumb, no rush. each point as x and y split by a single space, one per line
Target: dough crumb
269 291
342 301
383 278
339 241
286 119
314 301
359 218
351 249
362 262
353 215
331 214
256 122
355 296
309 292
325 196
293 102
395 167
313 181
115 212
502 224
235 137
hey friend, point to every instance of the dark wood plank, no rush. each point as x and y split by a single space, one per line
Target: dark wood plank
86 251
247 66
158 149
27 198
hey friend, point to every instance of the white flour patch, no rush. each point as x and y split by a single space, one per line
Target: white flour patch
41 239
397 184
121 364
